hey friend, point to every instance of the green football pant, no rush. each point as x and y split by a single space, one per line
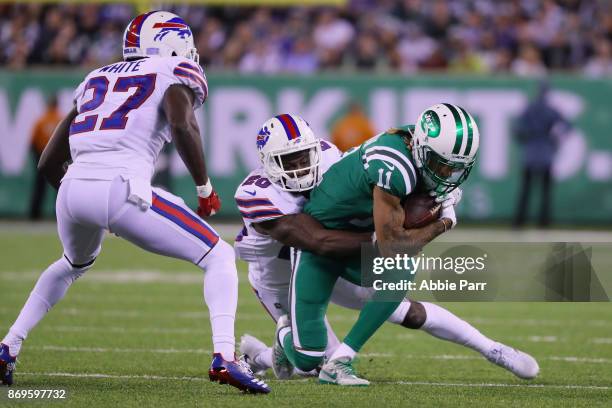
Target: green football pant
312 283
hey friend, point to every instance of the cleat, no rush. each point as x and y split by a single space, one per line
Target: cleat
7 365
518 363
341 372
282 367
251 347
236 373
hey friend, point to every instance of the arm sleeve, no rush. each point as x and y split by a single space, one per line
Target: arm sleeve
190 74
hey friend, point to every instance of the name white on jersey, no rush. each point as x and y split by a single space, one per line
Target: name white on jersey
260 200
120 127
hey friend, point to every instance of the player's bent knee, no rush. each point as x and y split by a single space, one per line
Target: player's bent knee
76 270
307 363
221 252
416 316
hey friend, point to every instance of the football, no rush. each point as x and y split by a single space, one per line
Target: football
420 209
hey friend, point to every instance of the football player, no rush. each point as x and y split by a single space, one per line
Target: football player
271 199
123 114
363 193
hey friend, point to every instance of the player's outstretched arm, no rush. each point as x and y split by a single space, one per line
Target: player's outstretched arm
178 107
57 151
302 231
389 224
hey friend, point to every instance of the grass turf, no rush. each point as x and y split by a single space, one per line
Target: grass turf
129 334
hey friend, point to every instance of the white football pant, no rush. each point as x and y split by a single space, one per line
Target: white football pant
86 208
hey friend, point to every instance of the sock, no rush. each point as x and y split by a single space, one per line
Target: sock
444 325
397 317
332 340
264 358
300 360
221 297
343 350
49 289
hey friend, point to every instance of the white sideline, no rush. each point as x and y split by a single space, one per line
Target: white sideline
567 359
425 383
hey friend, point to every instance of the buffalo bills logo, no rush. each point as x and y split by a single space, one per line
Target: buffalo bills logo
262 137
176 25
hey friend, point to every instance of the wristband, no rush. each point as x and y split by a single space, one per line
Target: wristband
205 190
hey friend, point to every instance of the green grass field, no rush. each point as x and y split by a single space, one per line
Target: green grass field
134 332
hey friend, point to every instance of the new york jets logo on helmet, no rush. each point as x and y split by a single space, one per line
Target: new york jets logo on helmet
430 123
446 142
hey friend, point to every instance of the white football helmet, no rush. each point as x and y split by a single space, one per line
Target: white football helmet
446 141
159 33
289 152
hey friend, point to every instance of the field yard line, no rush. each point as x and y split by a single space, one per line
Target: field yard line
109 312
120 276
443 384
134 314
116 329
122 350
568 359
532 322
122 377
437 384
157 330
581 359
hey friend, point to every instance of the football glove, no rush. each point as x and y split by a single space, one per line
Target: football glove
449 212
208 200
450 199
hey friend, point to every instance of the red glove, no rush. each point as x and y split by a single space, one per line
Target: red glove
208 201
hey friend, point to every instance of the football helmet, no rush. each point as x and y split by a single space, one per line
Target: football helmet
446 140
289 152
161 34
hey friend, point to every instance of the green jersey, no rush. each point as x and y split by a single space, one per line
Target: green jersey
343 199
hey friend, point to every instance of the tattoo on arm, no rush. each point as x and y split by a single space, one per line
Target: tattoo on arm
390 232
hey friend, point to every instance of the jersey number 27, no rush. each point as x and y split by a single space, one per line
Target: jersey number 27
144 84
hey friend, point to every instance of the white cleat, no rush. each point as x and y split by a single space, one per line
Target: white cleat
282 367
251 347
341 372
518 363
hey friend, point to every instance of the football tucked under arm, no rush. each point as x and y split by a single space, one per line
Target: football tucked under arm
420 209
392 236
304 232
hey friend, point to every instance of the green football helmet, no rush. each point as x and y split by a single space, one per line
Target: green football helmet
446 140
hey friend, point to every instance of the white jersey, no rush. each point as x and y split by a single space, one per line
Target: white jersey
259 200
121 128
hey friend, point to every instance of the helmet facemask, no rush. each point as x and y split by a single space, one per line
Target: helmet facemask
189 53
439 174
296 169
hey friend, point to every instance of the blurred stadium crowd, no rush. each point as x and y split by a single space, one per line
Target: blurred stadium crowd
523 37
